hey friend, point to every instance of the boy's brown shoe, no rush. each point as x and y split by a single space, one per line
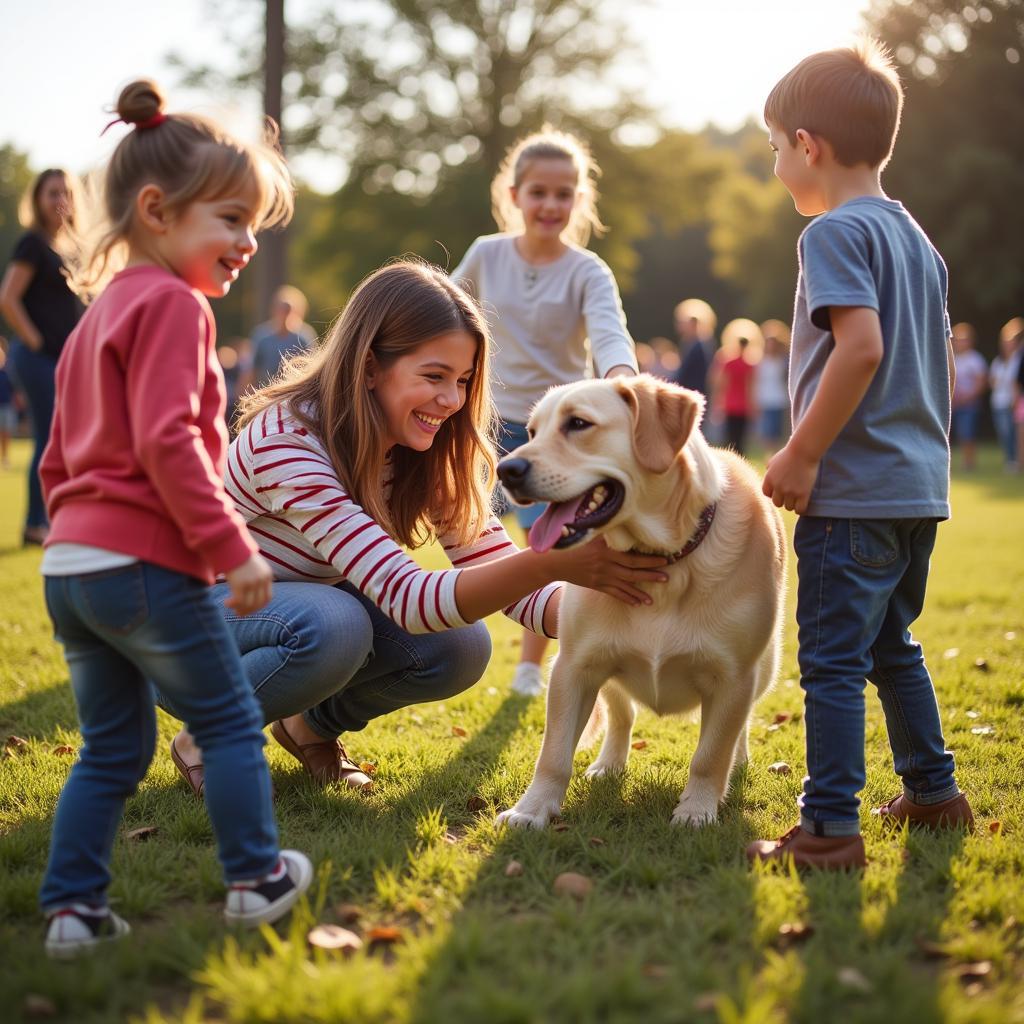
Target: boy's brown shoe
832 853
952 813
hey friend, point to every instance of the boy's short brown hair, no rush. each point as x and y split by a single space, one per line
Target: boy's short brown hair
851 97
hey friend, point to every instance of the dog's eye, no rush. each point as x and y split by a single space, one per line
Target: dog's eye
576 423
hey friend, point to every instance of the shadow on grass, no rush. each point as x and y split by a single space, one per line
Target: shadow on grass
636 948
855 973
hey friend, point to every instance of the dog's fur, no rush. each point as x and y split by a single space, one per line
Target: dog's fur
712 635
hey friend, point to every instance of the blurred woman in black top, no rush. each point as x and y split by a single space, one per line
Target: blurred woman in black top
41 308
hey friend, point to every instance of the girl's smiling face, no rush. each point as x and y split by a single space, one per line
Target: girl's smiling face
547 196
422 388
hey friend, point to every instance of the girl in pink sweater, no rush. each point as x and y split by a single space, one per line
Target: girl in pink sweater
141 524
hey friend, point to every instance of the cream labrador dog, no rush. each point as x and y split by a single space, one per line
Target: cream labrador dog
623 458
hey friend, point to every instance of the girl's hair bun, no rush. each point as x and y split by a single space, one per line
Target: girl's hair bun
139 101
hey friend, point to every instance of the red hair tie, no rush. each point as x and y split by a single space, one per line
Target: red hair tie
141 126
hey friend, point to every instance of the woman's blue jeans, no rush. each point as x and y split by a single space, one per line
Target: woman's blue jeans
861 585
332 655
34 372
125 631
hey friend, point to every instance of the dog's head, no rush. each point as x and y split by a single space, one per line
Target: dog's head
594 447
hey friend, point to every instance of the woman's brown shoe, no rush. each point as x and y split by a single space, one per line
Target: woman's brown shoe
191 773
326 761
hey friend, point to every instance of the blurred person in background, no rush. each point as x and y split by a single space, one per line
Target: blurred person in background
1002 379
664 360
285 334
771 386
731 378
42 310
971 380
695 324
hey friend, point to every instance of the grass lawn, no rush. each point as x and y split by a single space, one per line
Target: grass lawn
677 927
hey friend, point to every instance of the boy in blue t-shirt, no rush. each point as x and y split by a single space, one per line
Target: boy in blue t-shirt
867 467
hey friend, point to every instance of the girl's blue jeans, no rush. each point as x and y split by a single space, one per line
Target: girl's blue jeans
861 585
125 631
332 655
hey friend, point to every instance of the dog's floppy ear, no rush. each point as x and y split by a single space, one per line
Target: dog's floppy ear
663 416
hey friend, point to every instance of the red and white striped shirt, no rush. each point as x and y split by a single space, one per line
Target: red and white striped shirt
282 482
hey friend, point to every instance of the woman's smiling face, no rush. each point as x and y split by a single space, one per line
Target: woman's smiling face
421 389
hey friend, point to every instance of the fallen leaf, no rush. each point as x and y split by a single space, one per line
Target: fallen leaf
476 803
571 884
560 826
64 751
451 838
974 972
975 988
773 727
492 691
780 768
457 730
348 913
974 714
781 717
981 664
983 730
639 744
657 971
1010 635
794 931
368 768
950 653
513 869
140 835
596 841
707 1002
995 827
852 978
38 1006
330 936
932 950
384 935
15 744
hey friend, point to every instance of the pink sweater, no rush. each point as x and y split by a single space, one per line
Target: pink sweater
135 461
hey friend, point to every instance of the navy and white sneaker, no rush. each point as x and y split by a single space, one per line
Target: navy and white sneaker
80 928
267 899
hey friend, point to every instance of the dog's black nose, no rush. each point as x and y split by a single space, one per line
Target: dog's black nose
512 472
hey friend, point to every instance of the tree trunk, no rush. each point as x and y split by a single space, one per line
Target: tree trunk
273 244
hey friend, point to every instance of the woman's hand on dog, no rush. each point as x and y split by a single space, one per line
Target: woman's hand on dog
615 573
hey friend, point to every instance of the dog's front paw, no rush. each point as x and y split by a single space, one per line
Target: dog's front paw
695 810
599 768
525 816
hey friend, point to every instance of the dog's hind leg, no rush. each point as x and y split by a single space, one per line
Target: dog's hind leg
621 713
723 719
571 695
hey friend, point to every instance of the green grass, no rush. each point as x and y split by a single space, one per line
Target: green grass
677 928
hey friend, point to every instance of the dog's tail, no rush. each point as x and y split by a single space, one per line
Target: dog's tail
596 724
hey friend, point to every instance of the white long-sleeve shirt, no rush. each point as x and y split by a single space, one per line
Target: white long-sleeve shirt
281 480
541 317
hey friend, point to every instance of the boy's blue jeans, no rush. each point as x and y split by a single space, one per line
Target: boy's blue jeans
123 631
861 585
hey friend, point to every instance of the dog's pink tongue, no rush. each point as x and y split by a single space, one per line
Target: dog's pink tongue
545 532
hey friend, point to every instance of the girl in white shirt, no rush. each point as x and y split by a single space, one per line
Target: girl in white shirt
553 305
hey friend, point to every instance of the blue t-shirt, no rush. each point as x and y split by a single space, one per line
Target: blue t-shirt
891 460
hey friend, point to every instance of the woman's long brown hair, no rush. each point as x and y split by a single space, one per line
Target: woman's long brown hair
394 311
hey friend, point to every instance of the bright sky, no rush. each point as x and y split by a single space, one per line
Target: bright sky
63 62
